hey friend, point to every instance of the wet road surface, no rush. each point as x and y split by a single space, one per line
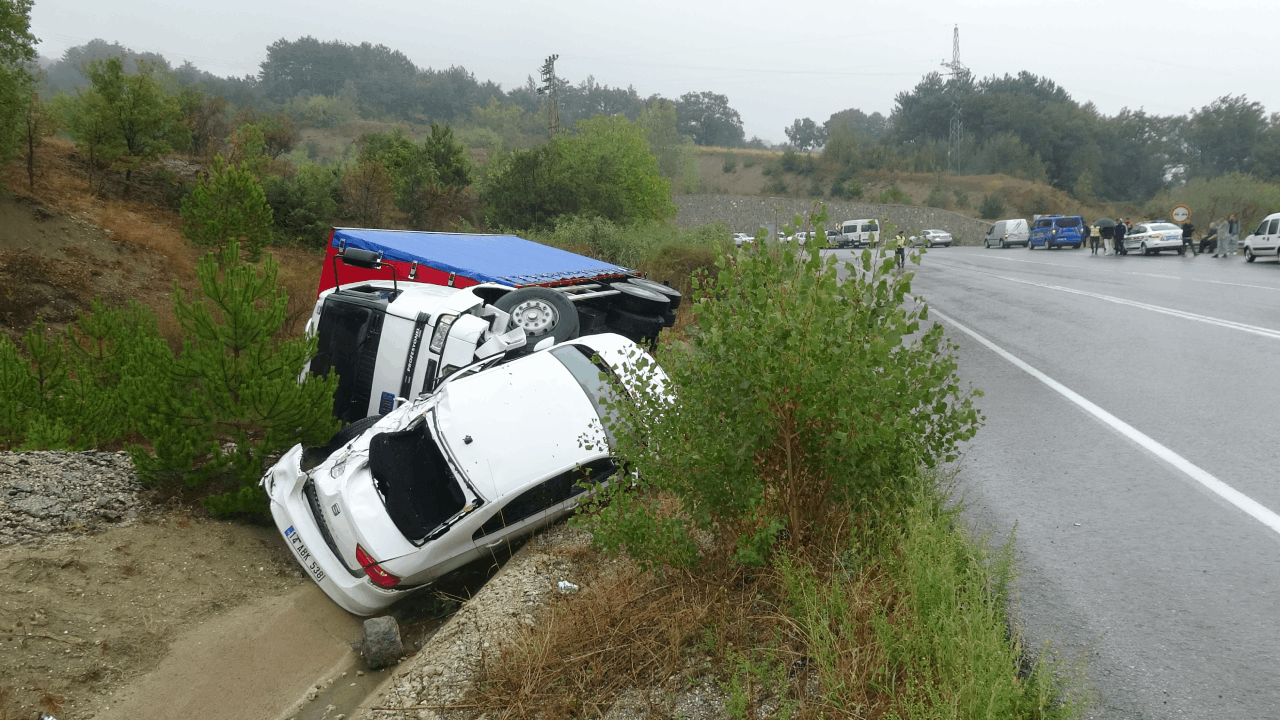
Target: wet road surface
1132 439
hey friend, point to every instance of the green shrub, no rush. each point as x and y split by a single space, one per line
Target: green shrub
962 198
799 398
770 169
894 196
305 206
216 411
815 189
992 206
730 163
938 198
750 161
777 186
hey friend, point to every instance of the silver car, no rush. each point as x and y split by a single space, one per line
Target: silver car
1151 237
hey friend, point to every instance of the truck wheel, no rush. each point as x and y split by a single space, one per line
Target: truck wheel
639 300
313 456
541 312
673 295
634 326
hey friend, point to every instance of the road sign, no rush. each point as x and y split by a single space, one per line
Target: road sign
1180 214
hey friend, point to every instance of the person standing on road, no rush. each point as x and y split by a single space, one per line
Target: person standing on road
1095 239
1187 244
1228 236
1118 234
900 245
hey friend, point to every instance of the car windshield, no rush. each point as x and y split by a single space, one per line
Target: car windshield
593 379
1165 226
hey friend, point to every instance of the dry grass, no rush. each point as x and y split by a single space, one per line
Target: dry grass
660 637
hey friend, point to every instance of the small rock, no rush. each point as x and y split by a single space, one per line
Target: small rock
380 643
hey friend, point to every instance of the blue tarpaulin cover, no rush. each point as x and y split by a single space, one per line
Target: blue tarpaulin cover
504 259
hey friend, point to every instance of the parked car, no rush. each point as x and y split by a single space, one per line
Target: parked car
497 451
1152 237
1007 233
1055 231
1265 241
740 238
934 238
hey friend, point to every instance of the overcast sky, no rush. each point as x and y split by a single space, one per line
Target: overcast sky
775 61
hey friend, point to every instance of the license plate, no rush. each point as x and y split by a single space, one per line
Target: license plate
304 555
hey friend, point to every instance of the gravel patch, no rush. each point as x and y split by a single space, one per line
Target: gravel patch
47 496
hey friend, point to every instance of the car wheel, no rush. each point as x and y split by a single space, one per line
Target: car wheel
1144 249
1248 254
313 456
639 300
1003 245
635 326
1182 250
673 295
986 244
542 312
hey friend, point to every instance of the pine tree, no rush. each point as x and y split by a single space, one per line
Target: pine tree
228 205
231 398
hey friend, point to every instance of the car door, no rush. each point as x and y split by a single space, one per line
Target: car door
513 517
1270 244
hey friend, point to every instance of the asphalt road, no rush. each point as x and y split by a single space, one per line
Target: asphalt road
1144 489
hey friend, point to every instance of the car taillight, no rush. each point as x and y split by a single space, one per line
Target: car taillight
380 577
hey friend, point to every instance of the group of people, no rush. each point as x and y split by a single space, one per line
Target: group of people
1223 237
1108 237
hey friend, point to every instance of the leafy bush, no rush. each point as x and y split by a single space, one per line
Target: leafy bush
938 197
770 169
815 189
305 206
730 163
798 399
749 161
894 195
777 186
962 197
1038 205
992 206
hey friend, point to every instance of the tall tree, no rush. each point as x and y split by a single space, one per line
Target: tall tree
228 206
804 133
17 48
130 118
708 119
1223 136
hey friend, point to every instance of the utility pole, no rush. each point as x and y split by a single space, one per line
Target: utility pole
958 74
549 89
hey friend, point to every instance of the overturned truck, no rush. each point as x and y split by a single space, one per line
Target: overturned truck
398 312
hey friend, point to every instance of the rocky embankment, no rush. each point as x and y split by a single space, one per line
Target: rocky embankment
746 213
46 494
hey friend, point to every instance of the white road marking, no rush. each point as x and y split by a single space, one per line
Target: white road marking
1243 327
1250 506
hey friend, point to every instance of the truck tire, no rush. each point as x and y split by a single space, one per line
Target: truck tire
669 318
673 295
634 326
541 312
639 300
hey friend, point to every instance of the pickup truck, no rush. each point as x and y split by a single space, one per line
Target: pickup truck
398 312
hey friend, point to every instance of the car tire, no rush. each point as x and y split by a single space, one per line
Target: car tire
986 244
1248 254
635 326
639 300
1144 249
313 456
542 312
673 295
1182 251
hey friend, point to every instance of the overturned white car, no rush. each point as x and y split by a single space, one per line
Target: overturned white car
498 450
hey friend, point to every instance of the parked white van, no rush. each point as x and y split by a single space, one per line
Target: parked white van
1265 241
1007 233
858 233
